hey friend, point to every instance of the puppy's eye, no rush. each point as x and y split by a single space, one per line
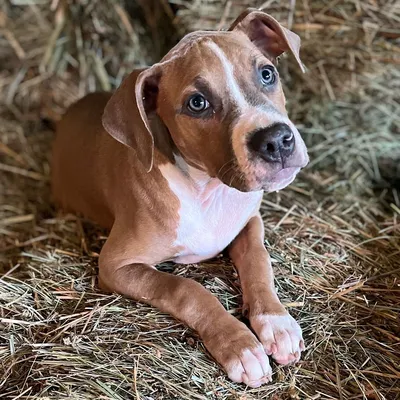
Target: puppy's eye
268 75
197 103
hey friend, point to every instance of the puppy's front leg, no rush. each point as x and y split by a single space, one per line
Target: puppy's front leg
279 333
229 341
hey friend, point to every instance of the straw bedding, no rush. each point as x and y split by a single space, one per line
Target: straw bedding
333 235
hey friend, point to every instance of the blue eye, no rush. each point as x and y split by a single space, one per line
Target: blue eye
268 75
198 103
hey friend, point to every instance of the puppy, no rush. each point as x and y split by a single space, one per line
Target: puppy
175 163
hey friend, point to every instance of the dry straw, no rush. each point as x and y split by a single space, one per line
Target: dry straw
333 235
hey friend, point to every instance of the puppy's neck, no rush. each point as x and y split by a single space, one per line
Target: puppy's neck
197 179
195 188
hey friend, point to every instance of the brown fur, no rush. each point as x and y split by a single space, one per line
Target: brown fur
106 165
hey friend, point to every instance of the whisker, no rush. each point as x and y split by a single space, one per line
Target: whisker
227 163
228 169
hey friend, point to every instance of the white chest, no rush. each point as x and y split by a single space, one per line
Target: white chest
211 214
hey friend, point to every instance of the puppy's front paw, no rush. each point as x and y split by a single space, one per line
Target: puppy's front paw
240 354
280 335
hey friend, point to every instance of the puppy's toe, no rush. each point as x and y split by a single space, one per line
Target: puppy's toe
241 355
250 366
281 337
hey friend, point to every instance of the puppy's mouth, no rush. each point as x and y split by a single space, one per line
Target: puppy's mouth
261 176
259 179
280 179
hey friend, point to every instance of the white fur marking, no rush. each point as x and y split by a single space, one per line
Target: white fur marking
230 77
211 213
284 331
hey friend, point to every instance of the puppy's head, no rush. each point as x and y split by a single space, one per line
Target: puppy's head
221 100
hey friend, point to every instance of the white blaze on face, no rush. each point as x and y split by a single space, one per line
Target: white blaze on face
233 86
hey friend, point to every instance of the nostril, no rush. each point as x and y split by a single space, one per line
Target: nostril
287 141
288 137
270 148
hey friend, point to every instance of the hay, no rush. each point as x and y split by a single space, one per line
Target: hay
333 235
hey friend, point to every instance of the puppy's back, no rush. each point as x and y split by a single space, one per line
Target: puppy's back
79 158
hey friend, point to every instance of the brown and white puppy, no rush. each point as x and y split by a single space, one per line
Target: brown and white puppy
175 162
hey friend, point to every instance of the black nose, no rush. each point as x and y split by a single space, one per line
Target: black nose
274 143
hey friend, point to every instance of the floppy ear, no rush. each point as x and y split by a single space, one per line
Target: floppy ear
126 115
268 34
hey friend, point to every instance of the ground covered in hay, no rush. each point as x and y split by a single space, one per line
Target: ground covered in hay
333 235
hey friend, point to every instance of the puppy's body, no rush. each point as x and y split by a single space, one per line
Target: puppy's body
210 214
175 164
76 167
